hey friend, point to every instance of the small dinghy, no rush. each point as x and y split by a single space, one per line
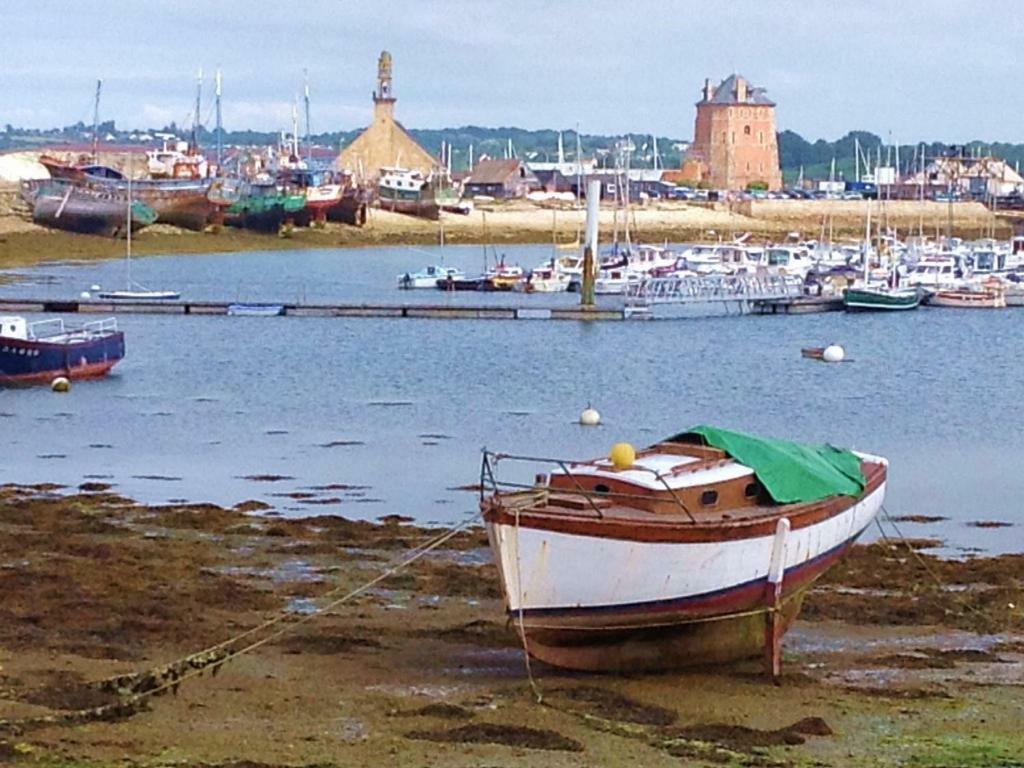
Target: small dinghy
255 310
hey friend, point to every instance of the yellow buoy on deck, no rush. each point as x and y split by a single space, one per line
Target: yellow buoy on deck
622 455
60 384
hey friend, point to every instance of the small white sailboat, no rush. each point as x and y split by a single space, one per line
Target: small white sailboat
135 291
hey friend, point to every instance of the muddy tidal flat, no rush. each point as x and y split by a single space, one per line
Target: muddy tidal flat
900 658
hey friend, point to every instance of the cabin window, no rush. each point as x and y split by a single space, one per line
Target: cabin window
709 498
601 488
751 490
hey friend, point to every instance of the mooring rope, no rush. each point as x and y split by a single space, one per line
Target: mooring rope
141 686
924 564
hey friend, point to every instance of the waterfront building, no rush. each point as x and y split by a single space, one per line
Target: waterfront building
501 179
978 177
734 141
384 143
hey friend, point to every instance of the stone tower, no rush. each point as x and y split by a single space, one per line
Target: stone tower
734 140
385 143
383 101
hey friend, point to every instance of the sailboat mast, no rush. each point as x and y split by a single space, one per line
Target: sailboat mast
220 128
579 167
625 193
309 142
199 101
128 216
867 243
295 129
96 123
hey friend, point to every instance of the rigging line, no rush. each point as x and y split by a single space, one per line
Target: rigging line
413 554
928 568
297 622
522 629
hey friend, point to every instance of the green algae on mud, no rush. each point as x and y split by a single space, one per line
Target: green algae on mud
94 584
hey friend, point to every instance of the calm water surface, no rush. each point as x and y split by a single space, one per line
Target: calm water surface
393 413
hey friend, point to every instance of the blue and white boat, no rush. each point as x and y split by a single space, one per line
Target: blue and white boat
39 352
255 310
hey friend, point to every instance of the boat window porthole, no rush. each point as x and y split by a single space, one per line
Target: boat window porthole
709 498
751 490
601 488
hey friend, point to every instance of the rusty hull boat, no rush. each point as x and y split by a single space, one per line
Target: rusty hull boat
698 551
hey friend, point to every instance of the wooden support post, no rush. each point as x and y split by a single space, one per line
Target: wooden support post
587 279
773 599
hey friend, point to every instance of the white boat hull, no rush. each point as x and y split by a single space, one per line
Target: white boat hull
597 603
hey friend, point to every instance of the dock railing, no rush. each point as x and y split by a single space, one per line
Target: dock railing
740 289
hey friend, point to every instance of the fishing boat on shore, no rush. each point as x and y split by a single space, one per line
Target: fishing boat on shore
32 353
181 200
696 550
264 206
408 191
68 205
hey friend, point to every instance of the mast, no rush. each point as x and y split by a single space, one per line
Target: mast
195 121
309 140
625 194
295 129
856 159
220 128
96 123
128 215
579 166
867 243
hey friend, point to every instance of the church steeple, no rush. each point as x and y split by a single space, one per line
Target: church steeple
383 92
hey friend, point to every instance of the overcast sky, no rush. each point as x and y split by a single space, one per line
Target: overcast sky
939 70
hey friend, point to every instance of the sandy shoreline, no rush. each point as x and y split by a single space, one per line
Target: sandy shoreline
24 244
888 664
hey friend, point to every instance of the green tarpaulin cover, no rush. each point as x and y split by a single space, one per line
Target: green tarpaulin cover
791 472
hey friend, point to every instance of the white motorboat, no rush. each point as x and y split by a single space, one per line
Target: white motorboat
428 277
546 279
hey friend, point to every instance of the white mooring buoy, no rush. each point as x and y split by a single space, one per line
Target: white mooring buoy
60 384
590 417
94 287
833 354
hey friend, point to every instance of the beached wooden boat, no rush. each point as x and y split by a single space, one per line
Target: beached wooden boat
76 207
32 353
699 550
264 206
988 298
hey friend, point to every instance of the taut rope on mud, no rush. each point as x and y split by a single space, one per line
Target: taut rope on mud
137 688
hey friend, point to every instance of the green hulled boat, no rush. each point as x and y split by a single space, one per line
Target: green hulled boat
264 207
880 298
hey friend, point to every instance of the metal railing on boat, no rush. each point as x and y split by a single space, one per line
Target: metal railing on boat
488 477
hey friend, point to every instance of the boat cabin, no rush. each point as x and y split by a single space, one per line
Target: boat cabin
13 327
933 271
668 478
